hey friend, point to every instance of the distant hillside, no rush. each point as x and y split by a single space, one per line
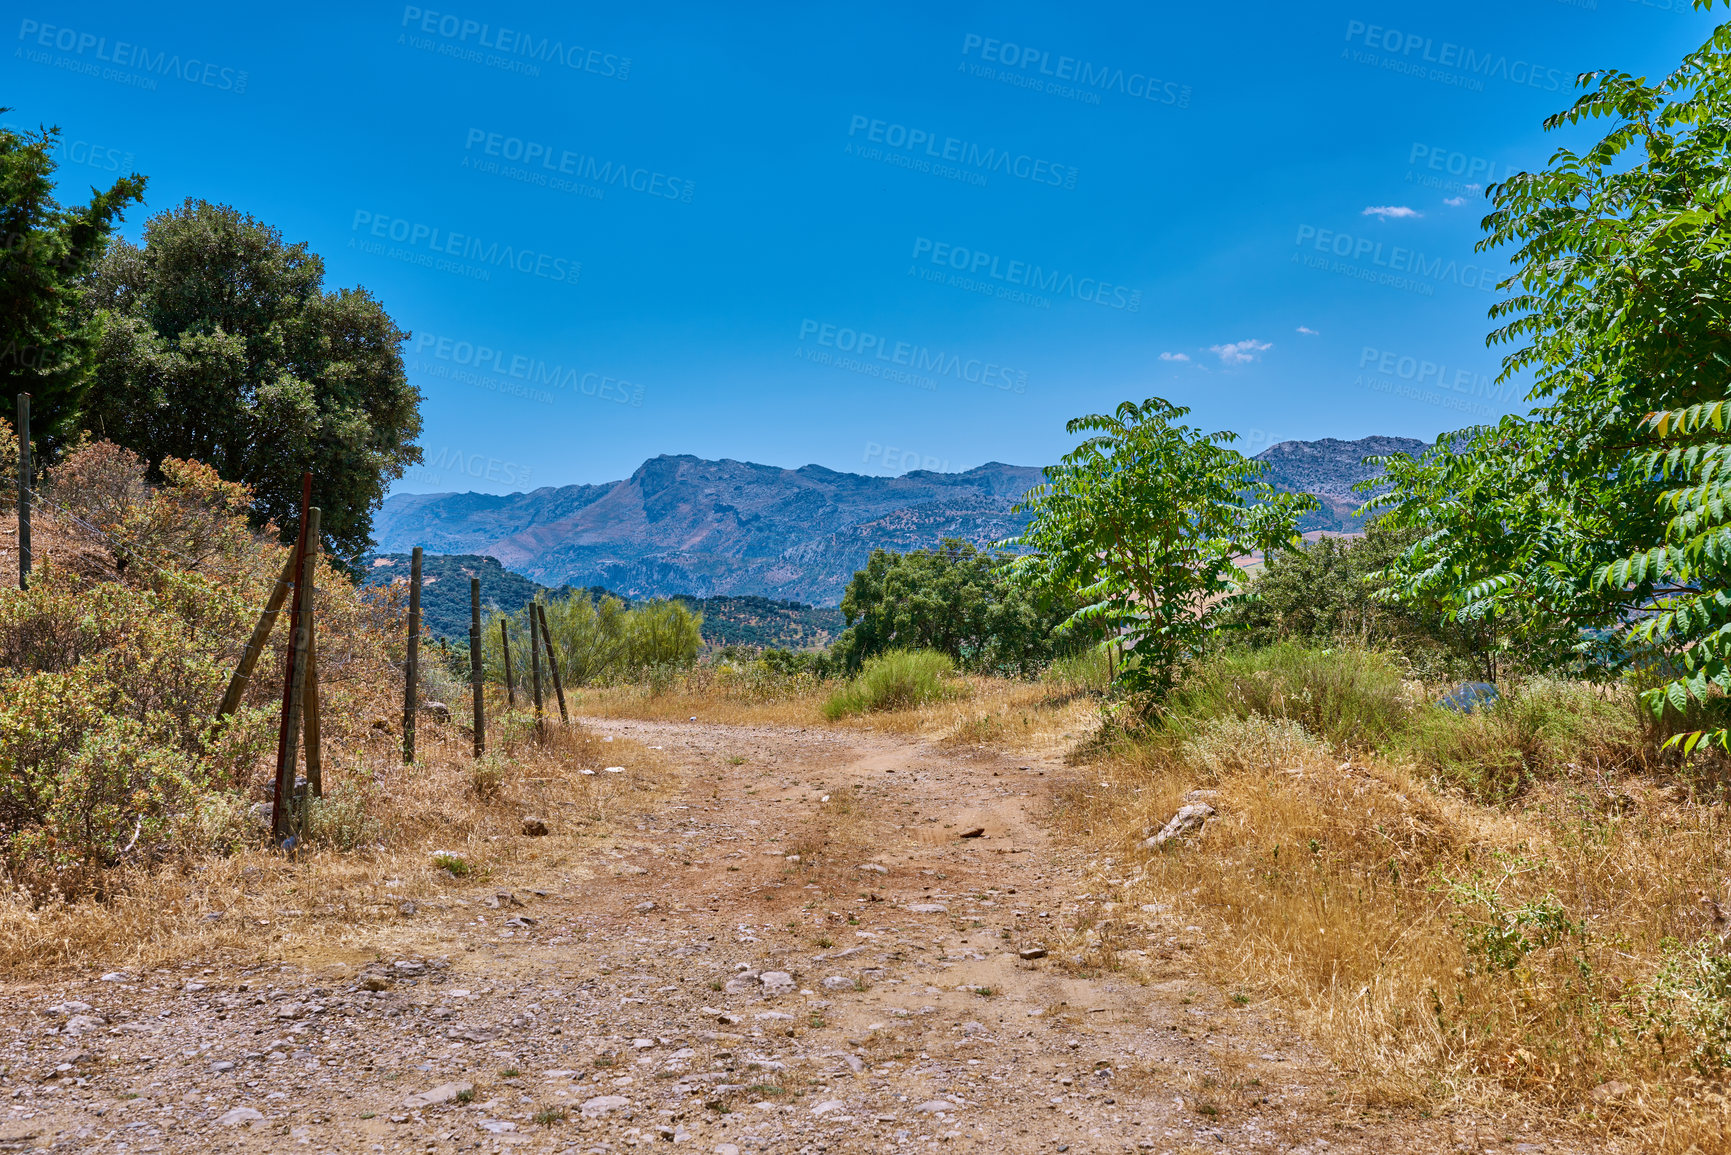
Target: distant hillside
764 534
1329 469
749 621
706 528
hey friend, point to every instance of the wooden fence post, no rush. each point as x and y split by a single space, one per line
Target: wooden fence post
255 645
310 680
505 641
412 671
535 663
552 661
24 480
288 731
475 672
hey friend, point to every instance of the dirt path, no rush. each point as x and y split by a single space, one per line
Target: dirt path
689 981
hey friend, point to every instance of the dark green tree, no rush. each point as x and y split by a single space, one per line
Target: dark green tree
47 336
221 344
954 598
1143 523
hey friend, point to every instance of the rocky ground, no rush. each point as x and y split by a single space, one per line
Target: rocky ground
823 940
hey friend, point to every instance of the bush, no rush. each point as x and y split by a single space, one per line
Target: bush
1089 672
1353 700
1539 729
898 680
1224 745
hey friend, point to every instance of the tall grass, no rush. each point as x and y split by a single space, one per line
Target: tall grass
1496 905
898 680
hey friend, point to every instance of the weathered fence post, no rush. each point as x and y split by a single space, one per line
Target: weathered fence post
412 671
475 672
24 491
310 680
505 642
535 663
552 661
288 734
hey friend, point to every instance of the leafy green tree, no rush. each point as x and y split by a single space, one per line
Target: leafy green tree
1603 506
1326 592
1142 522
956 599
597 638
220 344
47 336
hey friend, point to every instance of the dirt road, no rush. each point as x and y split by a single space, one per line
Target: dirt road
822 940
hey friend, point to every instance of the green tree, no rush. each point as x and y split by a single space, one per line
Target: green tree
47 335
1327 592
1142 523
220 344
956 599
1604 505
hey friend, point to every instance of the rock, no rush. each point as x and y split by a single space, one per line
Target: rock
724 1148
776 983
873 867
80 1024
975 832
1188 821
239 1116
838 983
1469 697
829 1105
497 1126
644 907
935 1107
1609 1092
602 1104
443 1093
1029 954
375 983
438 710
612 769
534 827
409 966
116 977
219 1067
929 908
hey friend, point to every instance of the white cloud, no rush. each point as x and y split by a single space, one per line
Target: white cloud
1308 331
1240 352
1174 357
1391 212
1454 202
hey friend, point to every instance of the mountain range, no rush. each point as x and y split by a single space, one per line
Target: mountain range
685 525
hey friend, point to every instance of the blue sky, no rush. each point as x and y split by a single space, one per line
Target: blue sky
874 237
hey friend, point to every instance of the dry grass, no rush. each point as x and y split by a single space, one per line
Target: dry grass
334 903
1352 894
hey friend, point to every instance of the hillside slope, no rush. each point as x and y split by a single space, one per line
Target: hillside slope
684 525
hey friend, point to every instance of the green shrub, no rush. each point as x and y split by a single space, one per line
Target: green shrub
1353 700
898 680
1537 730
1223 745
340 819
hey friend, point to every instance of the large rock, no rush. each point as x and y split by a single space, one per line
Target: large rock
1183 825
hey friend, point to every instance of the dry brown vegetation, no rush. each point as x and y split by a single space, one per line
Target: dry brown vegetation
113 663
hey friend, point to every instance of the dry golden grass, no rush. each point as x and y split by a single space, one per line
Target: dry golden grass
332 903
1325 887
